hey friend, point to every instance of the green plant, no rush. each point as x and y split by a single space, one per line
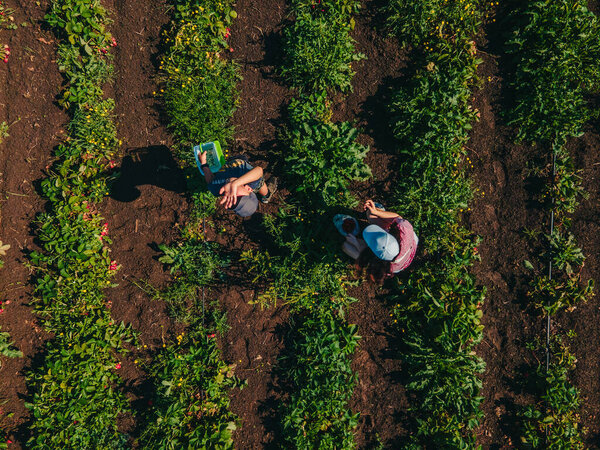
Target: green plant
555 48
418 22
432 119
438 306
76 396
6 348
318 50
3 131
322 161
316 415
191 408
198 89
194 264
556 54
553 421
198 85
6 17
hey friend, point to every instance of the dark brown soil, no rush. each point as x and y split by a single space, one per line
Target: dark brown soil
30 83
147 205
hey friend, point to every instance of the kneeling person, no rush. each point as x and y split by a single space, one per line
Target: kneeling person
240 185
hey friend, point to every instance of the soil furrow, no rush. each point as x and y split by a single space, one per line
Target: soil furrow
31 83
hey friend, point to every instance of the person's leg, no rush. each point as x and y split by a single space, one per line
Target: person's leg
263 190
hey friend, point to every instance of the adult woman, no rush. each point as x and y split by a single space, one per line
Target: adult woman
388 244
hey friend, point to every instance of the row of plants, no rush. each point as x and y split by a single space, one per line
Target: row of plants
190 406
554 50
437 304
303 269
75 391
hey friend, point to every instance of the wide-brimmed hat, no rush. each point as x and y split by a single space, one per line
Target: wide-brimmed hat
383 244
246 205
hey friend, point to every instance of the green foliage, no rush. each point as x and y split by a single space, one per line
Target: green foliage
432 119
195 263
438 312
318 368
318 49
322 160
83 53
3 132
76 400
553 422
417 22
438 309
556 54
191 408
76 396
6 348
198 85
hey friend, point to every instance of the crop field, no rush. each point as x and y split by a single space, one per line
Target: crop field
138 313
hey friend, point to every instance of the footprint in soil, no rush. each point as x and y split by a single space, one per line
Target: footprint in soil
152 165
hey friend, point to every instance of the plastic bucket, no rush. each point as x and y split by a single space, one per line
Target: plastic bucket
214 155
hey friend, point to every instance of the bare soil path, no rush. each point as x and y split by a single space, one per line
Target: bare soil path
30 81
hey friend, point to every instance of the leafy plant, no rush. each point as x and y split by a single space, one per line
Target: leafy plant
555 50
322 380
198 89
417 22
438 305
432 119
553 422
195 264
191 408
198 85
318 49
76 396
556 55
322 161
6 348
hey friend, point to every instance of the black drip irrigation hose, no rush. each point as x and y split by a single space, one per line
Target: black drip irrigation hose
548 321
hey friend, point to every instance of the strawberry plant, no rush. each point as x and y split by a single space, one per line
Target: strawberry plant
7 349
76 392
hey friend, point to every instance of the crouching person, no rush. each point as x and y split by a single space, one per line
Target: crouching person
240 185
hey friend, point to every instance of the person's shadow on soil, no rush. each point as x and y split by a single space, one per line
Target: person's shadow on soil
153 165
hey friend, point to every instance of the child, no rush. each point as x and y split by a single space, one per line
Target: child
239 184
388 244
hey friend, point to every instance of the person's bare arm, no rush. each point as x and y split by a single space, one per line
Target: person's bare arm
231 190
375 212
208 175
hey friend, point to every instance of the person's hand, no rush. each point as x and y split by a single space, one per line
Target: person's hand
202 156
229 193
369 205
